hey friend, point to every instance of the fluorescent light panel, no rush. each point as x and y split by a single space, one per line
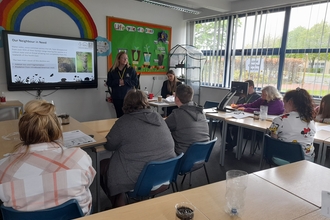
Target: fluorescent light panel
175 7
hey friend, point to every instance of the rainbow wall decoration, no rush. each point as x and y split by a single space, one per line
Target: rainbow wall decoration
12 13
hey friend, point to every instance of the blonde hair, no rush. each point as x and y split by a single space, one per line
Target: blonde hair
116 63
272 93
39 124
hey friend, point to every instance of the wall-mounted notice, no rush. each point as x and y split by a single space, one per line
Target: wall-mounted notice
147 45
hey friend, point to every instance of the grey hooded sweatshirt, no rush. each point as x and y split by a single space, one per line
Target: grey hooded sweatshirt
188 125
136 139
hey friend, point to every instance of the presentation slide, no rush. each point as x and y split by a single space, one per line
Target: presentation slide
36 59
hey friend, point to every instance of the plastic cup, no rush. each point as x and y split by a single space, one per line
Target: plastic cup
160 98
256 115
263 112
184 211
236 183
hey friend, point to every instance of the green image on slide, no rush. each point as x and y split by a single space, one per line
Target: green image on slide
84 62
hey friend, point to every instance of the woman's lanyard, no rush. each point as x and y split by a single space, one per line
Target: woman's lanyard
248 99
121 75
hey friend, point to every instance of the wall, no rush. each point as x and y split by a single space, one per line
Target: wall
89 104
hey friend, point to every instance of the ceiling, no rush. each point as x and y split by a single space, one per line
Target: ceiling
205 7
213 5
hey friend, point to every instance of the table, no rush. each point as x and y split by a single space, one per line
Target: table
316 215
162 104
250 123
221 116
17 105
102 127
157 208
259 125
263 201
303 179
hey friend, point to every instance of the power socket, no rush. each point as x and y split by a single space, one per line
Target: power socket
153 78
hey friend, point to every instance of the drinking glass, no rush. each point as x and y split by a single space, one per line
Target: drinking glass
263 112
184 211
236 183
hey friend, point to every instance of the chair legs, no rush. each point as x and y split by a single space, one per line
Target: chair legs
207 176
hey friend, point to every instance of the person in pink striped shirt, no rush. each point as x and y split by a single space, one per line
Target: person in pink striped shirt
41 173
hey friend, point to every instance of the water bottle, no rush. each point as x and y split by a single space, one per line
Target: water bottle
146 91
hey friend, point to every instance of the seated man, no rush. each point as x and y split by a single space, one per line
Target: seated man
187 123
232 129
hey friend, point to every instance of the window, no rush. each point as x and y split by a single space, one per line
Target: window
284 47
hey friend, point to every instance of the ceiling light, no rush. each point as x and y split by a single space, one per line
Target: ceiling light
175 7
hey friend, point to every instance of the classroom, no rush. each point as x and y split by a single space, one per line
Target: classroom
282 44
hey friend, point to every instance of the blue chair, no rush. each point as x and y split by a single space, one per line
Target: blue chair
156 177
68 210
277 152
195 158
210 104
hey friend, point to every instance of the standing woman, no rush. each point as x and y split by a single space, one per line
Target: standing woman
169 85
296 124
121 78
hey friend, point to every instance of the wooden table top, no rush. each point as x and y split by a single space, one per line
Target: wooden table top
10 137
303 179
11 104
159 208
316 215
218 115
249 122
101 126
263 201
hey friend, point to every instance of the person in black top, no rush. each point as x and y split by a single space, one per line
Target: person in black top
169 87
232 131
121 78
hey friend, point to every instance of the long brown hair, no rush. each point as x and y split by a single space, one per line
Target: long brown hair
39 124
303 103
171 85
325 107
116 63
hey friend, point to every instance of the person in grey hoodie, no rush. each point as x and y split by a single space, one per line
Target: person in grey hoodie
138 137
187 123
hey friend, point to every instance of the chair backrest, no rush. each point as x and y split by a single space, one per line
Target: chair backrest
68 210
154 173
287 151
196 155
210 104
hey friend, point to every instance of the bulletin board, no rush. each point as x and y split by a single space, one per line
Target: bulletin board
147 45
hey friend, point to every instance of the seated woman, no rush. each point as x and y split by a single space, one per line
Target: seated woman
138 137
41 173
296 124
323 112
169 87
269 97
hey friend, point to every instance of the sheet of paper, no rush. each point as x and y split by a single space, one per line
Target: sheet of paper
76 138
240 114
210 110
325 203
325 128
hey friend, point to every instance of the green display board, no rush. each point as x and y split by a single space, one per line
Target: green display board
147 45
